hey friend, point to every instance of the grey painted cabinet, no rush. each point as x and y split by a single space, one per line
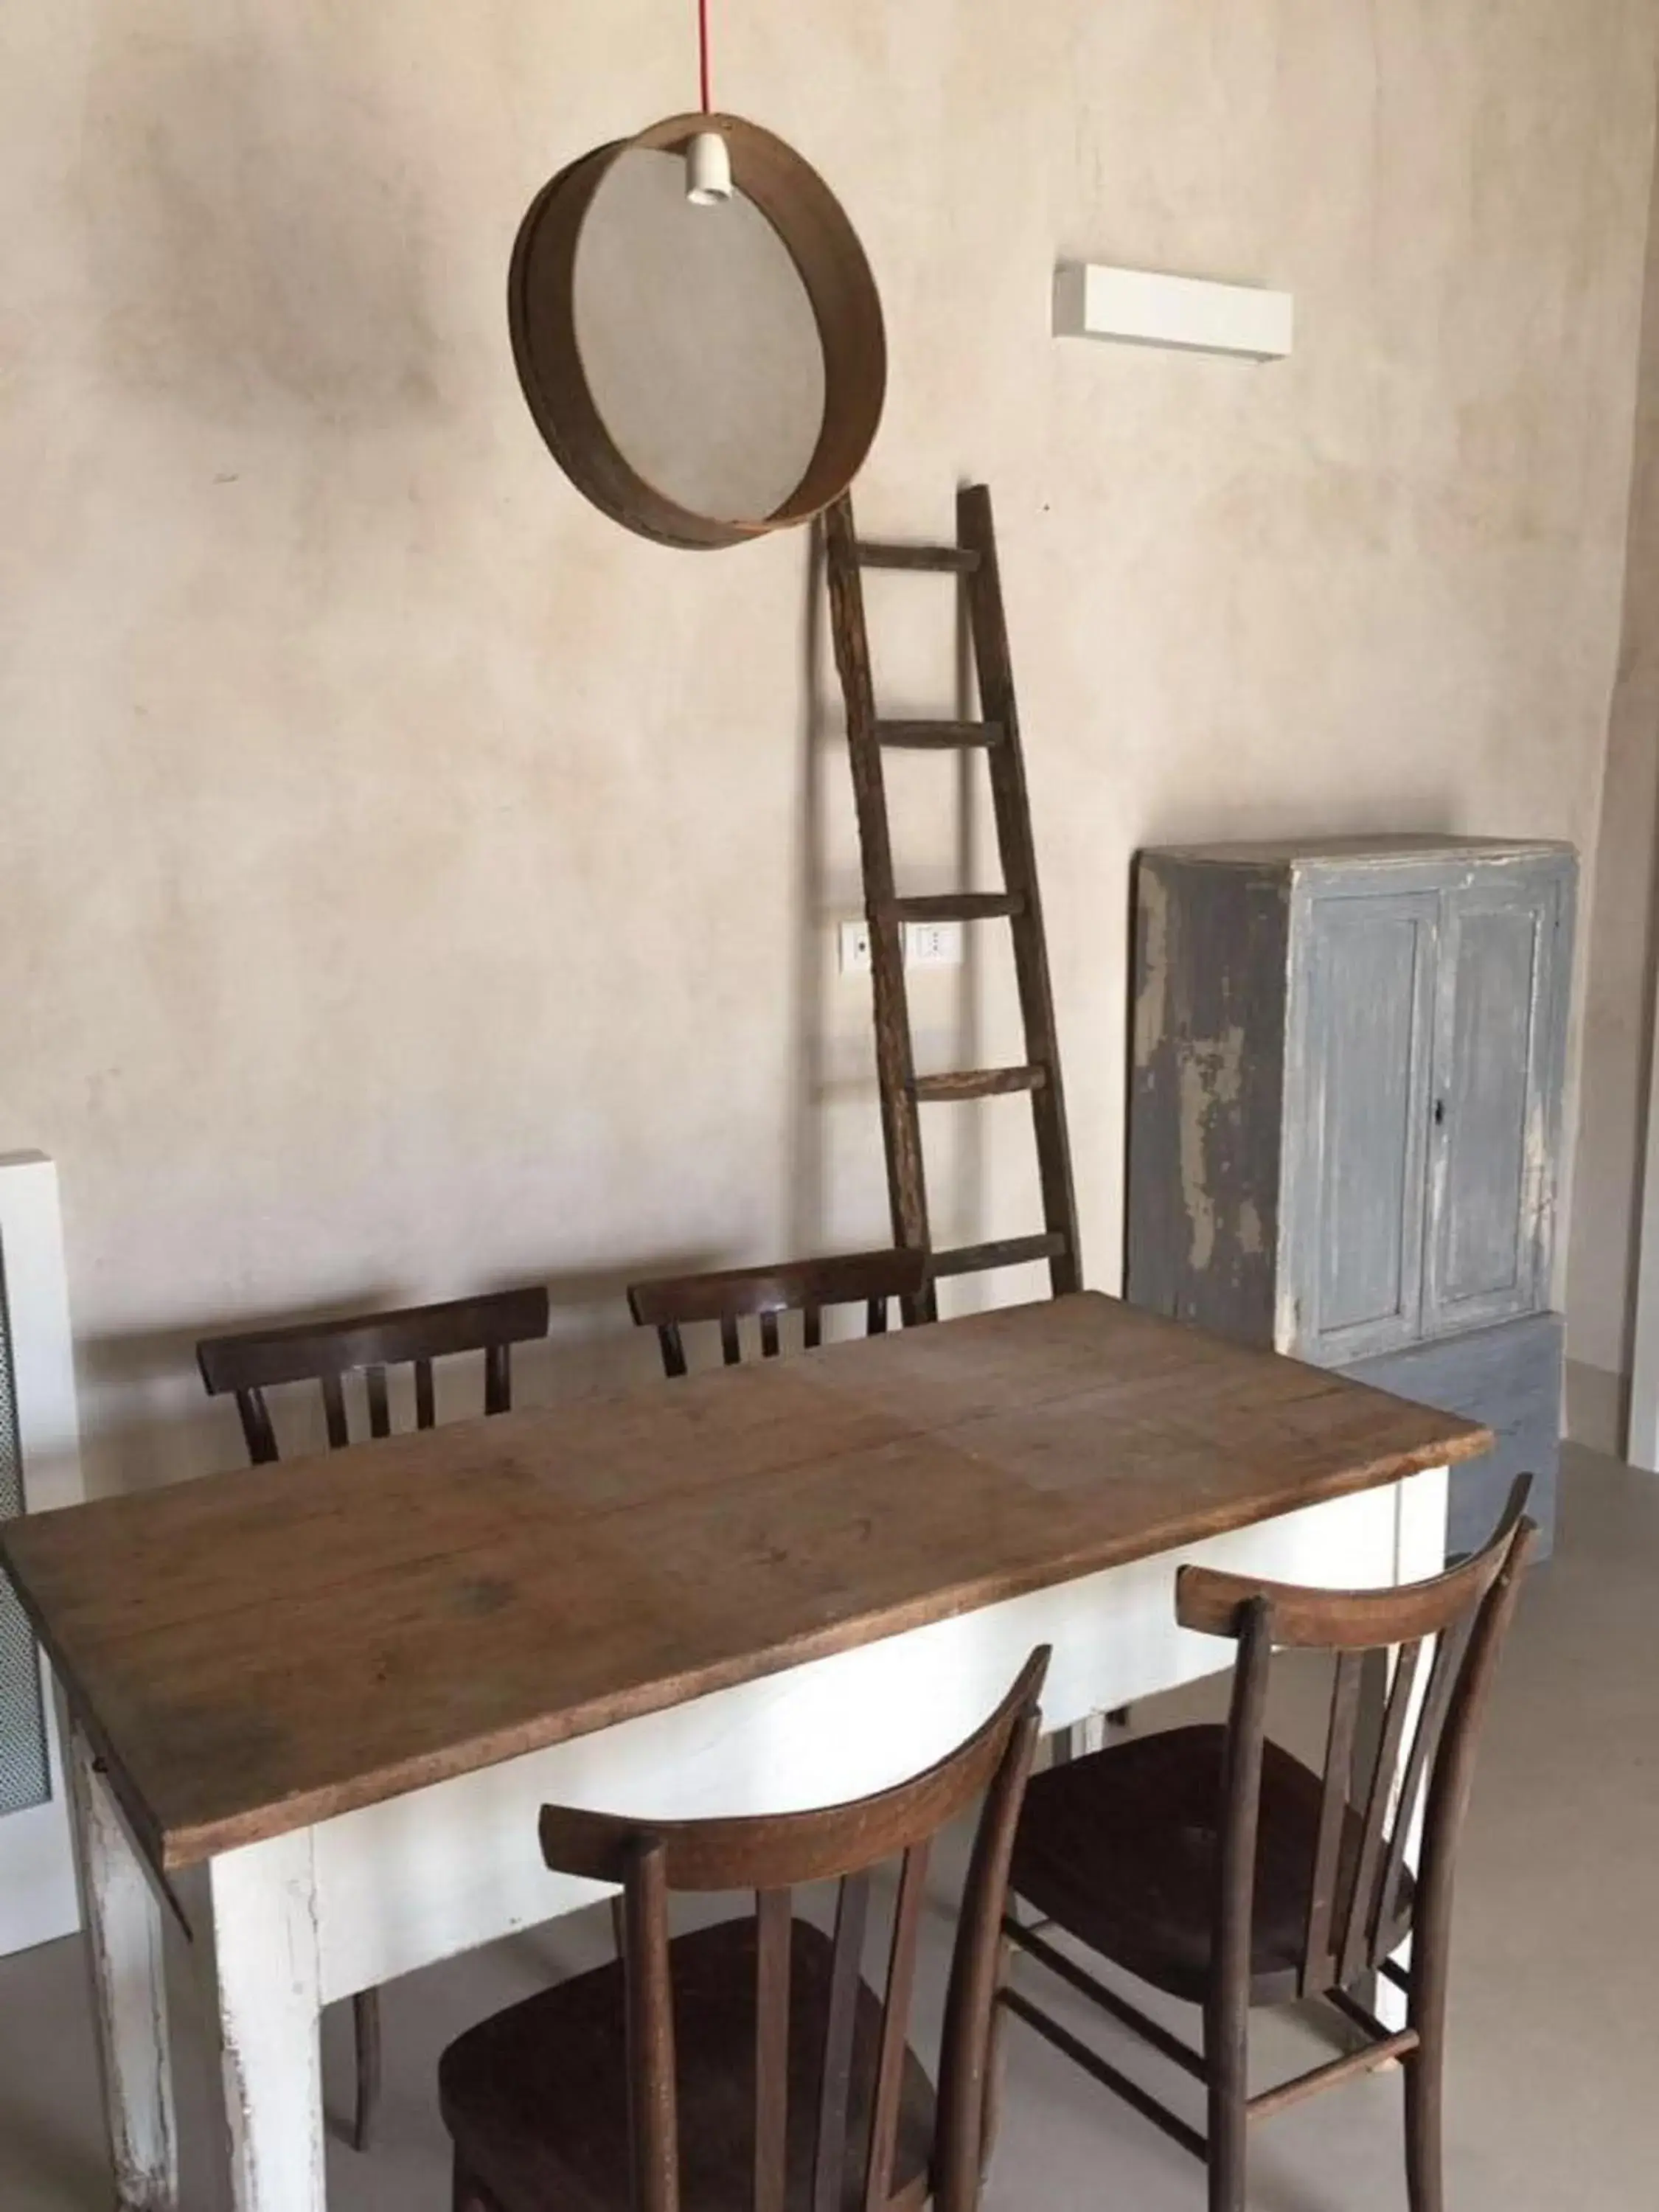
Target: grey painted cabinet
1345 1098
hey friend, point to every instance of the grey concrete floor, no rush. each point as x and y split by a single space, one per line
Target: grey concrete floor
1554 2082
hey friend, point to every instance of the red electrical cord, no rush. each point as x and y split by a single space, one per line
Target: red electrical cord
703 56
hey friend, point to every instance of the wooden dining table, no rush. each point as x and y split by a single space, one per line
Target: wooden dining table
313 1709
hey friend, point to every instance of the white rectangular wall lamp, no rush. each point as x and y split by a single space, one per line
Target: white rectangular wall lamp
1136 306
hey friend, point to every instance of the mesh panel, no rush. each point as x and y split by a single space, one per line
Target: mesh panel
25 1775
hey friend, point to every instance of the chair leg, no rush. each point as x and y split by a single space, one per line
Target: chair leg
1425 2167
1226 2162
366 2021
619 1924
1226 2052
1425 2068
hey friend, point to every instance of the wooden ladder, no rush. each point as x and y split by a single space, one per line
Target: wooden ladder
973 562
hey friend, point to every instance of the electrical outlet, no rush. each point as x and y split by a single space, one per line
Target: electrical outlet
854 942
932 944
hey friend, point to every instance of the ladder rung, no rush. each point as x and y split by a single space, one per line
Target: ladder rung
1006 1252
980 1082
960 906
943 560
934 737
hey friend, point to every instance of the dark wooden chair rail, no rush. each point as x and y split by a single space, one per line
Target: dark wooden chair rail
1209 1862
750 2061
325 1353
871 1279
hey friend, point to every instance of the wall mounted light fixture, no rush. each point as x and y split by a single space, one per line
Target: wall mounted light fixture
1139 306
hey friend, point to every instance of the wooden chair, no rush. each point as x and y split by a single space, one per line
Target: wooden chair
805 1287
325 1353
1211 1863
749 2063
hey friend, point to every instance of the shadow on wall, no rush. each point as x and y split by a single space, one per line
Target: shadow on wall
148 1420
805 1211
1622 957
247 235
833 1067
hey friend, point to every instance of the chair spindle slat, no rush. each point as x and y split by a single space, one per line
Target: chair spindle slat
1335 1794
257 1431
380 1410
894 2025
829 2150
426 1401
1426 1743
1384 1778
498 1378
811 1323
768 1329
774 1914
334 1411
730 1344
876 1319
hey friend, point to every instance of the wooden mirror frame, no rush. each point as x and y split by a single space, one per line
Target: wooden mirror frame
841 292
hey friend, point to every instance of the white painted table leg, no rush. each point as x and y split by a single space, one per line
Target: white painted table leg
265 1930
1420 1554
123 1921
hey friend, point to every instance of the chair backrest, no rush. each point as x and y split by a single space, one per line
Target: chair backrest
805 1287
325 1353
773 1854
1442 1637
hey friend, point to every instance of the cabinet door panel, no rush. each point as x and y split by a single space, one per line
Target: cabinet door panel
1368 1042
1493 1110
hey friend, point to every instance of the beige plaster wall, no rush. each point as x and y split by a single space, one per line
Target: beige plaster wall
409 881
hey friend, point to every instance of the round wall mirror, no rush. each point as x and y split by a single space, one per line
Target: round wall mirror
702 374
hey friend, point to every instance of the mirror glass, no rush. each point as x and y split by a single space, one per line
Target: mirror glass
698 340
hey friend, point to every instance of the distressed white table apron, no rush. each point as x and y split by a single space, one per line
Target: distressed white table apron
354 1901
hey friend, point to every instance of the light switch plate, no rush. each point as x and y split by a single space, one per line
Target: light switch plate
932 944
926 944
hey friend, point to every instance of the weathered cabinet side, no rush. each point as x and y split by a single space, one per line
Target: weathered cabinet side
1207 1089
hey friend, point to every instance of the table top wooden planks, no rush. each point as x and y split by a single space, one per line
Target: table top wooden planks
256 1652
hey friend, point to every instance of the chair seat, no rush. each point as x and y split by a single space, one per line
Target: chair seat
1119 1849
536 2098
